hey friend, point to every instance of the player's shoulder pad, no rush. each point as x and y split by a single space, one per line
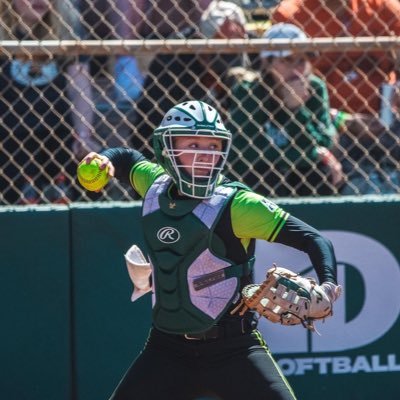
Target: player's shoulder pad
238 185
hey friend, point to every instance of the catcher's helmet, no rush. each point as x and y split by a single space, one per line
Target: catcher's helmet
191 118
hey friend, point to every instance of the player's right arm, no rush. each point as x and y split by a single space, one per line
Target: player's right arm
129 166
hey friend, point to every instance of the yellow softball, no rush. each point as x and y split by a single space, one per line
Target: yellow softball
91 177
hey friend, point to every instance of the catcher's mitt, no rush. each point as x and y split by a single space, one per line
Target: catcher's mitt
287 298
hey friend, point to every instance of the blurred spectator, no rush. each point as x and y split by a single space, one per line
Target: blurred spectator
147 19
164 18
359 82
361 147
40 125
173 78
371 160
281 123
354 78
221 20
128 18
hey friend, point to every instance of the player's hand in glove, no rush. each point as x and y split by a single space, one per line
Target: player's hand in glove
287 298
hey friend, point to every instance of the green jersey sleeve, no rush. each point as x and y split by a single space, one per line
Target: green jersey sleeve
143 174
256 217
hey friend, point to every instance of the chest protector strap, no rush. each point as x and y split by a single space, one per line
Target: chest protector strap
193 287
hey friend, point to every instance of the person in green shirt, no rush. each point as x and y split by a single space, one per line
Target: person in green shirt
200 230
284 129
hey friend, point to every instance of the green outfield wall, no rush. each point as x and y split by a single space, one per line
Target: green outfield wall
69 331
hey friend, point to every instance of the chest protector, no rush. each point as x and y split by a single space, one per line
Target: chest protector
192 285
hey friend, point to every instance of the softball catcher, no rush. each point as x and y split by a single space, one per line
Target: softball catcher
200 231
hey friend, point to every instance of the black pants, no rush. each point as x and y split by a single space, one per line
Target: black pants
228 368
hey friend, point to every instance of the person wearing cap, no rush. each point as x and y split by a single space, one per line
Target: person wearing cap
361 84
354 78
290 126
221 20
143 19
173 78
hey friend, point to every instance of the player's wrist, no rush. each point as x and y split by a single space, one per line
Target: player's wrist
332 291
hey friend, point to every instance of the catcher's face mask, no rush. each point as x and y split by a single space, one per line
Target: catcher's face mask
192 145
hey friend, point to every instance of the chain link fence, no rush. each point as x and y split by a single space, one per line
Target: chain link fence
82 75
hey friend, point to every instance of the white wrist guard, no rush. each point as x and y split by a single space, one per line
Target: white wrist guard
332 291
139 270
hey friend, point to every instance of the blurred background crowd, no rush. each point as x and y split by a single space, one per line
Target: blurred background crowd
304 123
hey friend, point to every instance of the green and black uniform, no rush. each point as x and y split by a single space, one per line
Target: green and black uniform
201 253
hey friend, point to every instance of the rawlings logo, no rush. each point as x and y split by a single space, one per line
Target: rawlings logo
168 235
